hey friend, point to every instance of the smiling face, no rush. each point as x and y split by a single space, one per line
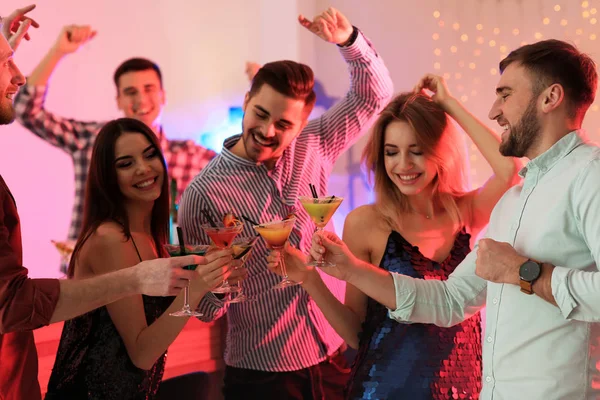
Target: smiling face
271 122
405 163
141 96
10 81
139 169
516 111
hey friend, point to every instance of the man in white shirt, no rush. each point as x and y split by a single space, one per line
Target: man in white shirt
537 267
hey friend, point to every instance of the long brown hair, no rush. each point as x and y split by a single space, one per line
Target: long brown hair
103 198
439 141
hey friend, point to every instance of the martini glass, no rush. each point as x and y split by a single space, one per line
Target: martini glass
223 237
320 210
65 250
242 248
174 250
276 233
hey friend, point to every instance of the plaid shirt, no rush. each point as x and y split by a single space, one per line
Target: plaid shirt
184 158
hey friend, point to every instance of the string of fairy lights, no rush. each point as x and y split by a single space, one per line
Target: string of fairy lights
464 43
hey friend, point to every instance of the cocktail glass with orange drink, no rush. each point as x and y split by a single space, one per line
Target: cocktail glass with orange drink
276 233
320 210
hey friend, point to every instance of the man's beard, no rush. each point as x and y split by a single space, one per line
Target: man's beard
7 114
523 134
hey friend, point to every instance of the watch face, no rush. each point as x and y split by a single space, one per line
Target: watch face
530 271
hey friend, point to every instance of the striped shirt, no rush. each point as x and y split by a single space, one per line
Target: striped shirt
184 158
283 330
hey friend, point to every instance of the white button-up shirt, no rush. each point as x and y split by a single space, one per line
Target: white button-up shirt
532 349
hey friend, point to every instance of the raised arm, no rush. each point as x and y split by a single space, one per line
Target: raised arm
481 201
68 134
15 26
370 85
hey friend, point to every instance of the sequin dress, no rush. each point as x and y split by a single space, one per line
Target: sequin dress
417 361
92 360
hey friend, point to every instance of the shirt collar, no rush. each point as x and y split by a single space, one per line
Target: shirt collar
240 161
162 139
558 151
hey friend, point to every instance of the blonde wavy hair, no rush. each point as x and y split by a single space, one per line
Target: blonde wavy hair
440 143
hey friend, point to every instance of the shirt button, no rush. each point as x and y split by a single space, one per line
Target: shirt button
495 301
489 339
488 379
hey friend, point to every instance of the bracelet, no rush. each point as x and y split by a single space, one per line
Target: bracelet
351 39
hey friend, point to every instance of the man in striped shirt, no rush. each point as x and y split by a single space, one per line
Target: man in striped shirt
280 345
140 95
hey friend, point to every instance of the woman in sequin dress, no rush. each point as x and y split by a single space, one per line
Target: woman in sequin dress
420 225
119 351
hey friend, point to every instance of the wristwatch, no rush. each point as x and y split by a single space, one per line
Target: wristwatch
528 273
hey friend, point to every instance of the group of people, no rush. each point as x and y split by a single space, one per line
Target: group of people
406 287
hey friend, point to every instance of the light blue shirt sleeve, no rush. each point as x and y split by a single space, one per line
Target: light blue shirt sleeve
443 303
577 292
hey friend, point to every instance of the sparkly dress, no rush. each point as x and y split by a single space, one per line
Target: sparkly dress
92 361
417 361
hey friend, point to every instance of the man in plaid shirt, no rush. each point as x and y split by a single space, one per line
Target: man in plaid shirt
140 95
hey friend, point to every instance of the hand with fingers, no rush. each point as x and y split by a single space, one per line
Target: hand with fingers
334 250
213 269
437 86
295 262
237 272
72 37
165 276
251 69
331 26
16 25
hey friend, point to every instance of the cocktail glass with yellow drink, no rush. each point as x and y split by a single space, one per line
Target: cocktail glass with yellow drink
276 233
176 250
320 210
222 234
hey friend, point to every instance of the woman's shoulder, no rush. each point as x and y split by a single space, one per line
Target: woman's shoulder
108 234
364 213
365 219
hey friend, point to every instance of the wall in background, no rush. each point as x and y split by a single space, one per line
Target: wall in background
202 48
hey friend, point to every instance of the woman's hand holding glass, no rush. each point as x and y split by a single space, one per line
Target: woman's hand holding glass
295 262
331 248
215 266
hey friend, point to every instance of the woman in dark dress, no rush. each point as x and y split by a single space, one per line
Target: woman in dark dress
420 225
119 351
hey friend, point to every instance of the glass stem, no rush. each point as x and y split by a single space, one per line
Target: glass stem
186 297
283 270
320 233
